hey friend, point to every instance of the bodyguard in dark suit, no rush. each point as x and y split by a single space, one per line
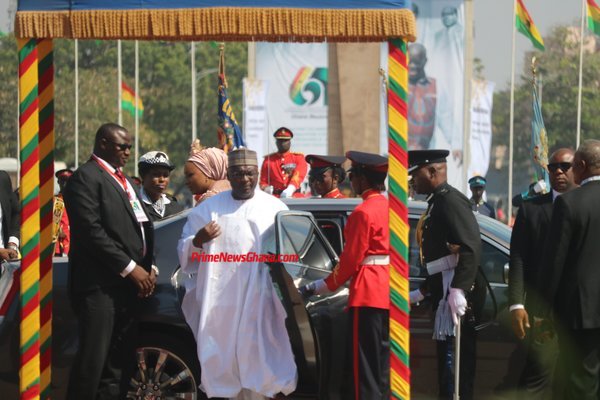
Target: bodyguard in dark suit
526 250
447 229
110 266
571 278
10 219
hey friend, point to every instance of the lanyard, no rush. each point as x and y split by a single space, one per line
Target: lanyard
118 175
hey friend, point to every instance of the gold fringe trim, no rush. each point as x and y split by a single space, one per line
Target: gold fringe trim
222 24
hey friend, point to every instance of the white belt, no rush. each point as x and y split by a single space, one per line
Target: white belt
376 260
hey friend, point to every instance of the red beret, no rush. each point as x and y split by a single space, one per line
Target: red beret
283 133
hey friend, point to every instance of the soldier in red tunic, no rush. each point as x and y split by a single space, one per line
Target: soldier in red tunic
365 261
63 233
325 174
283 172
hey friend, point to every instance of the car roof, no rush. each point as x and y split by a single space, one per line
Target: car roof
490 227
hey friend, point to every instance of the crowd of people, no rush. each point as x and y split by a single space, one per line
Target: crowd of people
104 225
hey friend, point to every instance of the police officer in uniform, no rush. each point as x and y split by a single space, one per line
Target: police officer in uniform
477 186
325 175
282 172
365 261
450 249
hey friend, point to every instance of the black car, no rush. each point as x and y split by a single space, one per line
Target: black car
318 327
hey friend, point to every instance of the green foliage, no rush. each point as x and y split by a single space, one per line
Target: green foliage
559 69
164 86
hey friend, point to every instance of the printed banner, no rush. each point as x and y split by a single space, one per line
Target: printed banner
482 97
436 83
255 115
297 76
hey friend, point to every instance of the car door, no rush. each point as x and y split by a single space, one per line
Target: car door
316 325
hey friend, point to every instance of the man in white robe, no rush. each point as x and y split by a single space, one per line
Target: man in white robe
233 309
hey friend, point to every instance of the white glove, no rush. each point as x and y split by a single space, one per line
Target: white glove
415 296
289 191
540 187
268 189
458 303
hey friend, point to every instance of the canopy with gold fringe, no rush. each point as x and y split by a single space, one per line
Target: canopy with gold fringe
39 21
232 20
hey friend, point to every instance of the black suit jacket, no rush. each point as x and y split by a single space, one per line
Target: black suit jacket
570 280
105 234
526 250
451 220
11 219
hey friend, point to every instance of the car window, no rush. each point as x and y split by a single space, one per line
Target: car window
333 233
300 237
492 262
413 251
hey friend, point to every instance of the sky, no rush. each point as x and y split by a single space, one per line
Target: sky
493 31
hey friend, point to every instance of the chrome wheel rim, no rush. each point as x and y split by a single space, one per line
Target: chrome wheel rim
161 375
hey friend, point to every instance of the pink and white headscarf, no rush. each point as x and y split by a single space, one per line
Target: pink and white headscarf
210 160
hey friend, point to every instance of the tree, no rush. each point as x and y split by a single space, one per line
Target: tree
164 87
558 66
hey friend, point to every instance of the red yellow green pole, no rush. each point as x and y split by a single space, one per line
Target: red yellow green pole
398 195
46 153
30 219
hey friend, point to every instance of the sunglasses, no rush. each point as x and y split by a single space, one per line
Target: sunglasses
121 146
564 166
318 178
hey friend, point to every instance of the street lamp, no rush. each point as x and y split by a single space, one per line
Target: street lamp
195 79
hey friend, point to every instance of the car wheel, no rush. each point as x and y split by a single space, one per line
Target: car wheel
166 369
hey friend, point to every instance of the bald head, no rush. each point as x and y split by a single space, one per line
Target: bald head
428 177
560 170
587 160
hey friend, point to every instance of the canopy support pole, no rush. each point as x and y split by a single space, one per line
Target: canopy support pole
46 152
29 373
398 195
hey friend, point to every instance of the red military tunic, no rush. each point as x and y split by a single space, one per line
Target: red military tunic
280 170
367 233
63 245
334 194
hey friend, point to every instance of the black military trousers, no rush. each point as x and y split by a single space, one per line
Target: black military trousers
370 354
108 331
445 363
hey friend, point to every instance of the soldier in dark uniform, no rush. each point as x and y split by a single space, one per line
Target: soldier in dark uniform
477 186
365 262
282 172
450 249
325 174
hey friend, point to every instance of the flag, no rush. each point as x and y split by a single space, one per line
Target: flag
230 135
128 99
539 141
526 26
593 16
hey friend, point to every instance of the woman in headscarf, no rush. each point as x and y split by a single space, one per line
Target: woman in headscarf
155 169
206 171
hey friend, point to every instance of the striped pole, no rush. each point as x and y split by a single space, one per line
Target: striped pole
398 195
46 149
30 219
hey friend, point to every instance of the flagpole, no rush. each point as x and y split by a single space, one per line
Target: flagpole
137 99
467 89
512 109
578 138
76 103
193 70
119 83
